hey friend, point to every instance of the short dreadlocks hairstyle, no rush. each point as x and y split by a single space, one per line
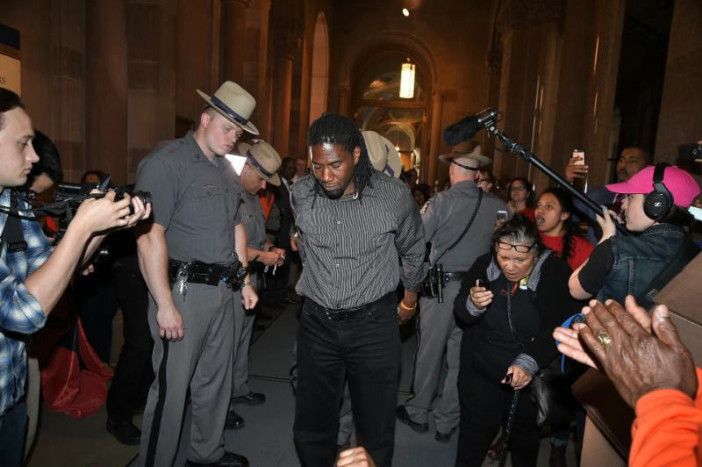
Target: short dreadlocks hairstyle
336 129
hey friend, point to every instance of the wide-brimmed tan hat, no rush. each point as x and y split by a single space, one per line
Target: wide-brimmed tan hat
468 159
234 103
263 158
382 153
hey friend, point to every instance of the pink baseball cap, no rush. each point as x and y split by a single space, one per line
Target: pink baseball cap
679 183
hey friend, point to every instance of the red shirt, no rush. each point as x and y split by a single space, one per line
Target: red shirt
580 248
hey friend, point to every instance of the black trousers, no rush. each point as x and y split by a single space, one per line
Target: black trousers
484 407
133 374
365 350
95 297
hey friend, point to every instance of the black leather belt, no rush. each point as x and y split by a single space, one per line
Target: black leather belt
348 314
454 276
198 272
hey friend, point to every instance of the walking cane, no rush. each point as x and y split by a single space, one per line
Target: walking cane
508 428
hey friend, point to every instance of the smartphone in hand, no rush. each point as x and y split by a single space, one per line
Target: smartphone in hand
580 154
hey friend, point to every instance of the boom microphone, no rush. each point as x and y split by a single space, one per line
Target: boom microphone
462 130
466 128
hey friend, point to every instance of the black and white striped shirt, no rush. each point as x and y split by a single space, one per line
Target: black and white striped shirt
351 247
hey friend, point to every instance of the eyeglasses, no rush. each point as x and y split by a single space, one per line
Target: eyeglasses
504 246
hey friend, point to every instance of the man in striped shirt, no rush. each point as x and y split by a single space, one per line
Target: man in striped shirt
32 278
359 232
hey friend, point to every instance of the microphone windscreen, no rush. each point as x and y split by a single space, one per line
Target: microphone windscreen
462 130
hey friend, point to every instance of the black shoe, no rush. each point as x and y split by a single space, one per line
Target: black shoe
124 431
558 456
234 421
252 398
404 417
229 459
444 437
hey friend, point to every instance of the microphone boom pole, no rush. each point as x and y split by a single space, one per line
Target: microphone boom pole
488 118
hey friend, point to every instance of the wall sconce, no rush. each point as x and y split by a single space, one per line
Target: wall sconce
407 80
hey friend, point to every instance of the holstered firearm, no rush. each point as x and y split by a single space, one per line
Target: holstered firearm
434 282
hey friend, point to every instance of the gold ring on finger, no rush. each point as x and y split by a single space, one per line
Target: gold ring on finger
604 339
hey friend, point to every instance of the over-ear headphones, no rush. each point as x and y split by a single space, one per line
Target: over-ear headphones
659 202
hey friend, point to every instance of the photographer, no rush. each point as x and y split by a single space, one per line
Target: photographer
32 277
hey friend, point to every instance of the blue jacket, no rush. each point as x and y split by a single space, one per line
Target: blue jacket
638 259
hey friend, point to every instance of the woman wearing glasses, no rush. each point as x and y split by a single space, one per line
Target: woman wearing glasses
520 197
510 302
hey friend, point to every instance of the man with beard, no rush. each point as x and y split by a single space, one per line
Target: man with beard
189 256
354 226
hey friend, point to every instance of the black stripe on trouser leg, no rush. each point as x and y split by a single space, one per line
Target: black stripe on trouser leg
158 411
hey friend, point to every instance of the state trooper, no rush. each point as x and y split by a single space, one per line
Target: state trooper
262 163
192 257
458 223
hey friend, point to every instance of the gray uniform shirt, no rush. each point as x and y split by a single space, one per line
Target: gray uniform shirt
253 220
445 217
196 200
351 247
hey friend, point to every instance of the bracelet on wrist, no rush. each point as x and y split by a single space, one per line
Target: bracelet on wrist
407 308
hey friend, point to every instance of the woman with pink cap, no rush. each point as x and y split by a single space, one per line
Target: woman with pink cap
655 212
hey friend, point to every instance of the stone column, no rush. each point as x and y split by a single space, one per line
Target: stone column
233 40
151 65
429 170
680 119
344 106
257 65
602 86
67 98
285 45
106 88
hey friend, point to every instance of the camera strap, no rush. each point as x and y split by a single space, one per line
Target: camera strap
12 234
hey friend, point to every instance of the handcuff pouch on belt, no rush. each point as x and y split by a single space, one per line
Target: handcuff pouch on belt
197 272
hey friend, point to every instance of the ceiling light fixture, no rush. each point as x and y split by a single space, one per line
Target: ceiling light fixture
407 80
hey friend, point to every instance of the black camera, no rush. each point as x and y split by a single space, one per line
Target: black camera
69 196
73 194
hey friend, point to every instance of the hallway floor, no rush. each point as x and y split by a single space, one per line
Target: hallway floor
266 438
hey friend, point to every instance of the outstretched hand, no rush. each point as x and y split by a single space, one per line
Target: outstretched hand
635 359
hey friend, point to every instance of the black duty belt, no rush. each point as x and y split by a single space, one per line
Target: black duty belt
454 276
348 314
198 272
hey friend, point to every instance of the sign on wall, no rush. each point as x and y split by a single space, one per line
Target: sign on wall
10 76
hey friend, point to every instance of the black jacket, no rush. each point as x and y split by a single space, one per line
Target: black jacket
536 311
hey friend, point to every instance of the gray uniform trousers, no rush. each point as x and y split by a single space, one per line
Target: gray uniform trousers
243 327
200 363
437 332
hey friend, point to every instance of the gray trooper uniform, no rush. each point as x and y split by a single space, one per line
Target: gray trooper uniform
255 226
197 201
445 217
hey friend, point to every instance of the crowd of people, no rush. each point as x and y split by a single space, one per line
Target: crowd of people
488 279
